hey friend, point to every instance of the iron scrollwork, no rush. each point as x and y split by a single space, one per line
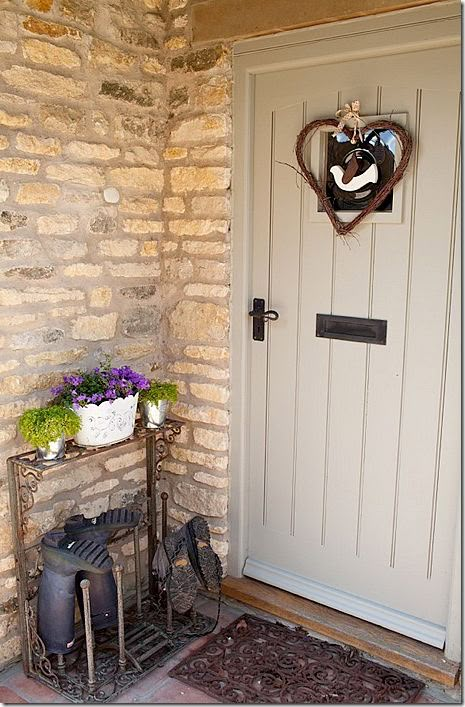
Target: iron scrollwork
28 485
162 444
40 662
70 679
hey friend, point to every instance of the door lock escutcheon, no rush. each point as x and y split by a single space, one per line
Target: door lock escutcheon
260 317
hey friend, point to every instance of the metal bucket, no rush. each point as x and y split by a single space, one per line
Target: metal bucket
54 450
154 414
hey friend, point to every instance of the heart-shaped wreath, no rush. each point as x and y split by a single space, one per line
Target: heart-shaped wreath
341 227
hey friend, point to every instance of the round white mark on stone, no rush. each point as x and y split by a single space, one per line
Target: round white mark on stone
111 195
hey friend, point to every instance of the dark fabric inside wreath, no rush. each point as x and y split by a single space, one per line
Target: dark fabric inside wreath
373 151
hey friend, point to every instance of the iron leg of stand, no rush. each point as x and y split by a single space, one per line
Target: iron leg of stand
138 573
121 643
61 664
164 532
91 681
169 615
164 514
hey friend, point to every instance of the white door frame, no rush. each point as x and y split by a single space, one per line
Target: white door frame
416 29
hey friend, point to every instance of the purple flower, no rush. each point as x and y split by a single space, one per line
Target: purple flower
73 380
100 384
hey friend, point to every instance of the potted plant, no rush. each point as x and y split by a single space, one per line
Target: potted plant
105 399
46 428
154 402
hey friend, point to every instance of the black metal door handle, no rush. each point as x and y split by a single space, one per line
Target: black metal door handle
270 314
260 316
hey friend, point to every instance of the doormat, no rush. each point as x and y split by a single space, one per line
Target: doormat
253 661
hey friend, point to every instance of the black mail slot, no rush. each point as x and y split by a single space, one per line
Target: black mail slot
368 331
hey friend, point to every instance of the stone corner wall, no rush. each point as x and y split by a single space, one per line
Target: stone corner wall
97 93
196 270
82 106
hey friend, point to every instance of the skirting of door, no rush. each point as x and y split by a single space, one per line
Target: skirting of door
348 603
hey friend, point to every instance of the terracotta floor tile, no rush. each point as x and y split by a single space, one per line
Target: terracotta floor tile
31 690
158 687
157 676
227 614
8 697
172 691
435 694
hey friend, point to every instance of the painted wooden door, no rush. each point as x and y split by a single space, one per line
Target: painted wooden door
354 460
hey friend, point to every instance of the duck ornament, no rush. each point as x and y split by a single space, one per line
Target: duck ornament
361 169
353 176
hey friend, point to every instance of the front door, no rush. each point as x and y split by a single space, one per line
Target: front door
353 453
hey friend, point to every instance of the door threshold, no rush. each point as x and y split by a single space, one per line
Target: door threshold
378 642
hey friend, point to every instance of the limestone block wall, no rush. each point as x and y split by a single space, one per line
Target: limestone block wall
97 93
82 106
196 270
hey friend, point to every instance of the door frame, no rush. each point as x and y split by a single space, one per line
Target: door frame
436 25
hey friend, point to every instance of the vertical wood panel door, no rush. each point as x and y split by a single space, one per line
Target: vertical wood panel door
354 456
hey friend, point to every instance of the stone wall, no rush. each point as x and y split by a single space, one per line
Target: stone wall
82 106
196 268
97 93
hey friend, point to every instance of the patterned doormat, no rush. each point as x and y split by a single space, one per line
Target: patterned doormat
255 661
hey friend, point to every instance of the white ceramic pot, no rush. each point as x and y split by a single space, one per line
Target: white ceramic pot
54 450
154 414
107 423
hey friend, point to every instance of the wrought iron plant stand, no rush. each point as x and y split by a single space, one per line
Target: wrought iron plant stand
106 662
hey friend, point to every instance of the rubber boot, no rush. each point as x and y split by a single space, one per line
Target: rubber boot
63 558
102 590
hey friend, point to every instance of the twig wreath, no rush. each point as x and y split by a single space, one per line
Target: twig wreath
349 115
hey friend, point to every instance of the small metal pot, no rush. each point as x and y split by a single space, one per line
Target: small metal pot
154 414
54 450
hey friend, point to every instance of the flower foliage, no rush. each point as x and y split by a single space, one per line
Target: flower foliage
98 385
40 426
160 390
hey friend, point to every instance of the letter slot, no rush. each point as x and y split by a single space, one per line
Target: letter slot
367 331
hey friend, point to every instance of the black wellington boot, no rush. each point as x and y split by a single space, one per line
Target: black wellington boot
63 558
103 595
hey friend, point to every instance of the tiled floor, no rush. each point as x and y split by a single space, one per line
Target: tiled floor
158 687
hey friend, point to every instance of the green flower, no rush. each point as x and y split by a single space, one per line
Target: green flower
40 426
159 390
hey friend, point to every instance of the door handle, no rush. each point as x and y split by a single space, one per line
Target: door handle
270 314
260 316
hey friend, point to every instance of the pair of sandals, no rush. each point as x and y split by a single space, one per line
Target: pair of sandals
184 561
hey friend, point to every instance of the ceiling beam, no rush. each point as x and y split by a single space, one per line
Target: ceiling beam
215 20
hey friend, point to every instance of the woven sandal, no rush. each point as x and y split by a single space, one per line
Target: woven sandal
205 561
